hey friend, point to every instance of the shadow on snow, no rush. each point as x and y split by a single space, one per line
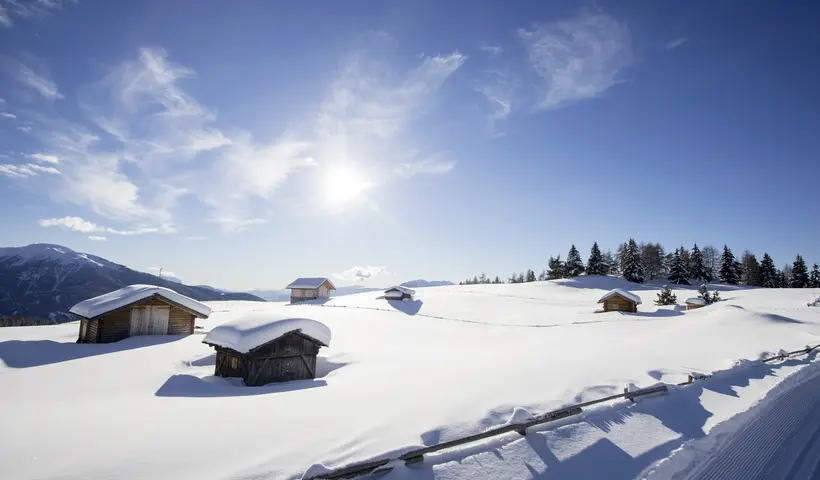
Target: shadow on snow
409 307
681 411
34 353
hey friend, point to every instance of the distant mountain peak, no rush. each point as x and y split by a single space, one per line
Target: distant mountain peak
426 283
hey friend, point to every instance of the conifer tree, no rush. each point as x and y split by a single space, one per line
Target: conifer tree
556 268
768 272
729 267
633 271
751 269
814 279
574 265
543 275
497 280
666 297
677 271
530 275
697 269
595 264
800 273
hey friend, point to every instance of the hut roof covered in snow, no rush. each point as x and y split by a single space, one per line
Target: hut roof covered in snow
695 301
399 288
258 328
623 293
310 282
94 307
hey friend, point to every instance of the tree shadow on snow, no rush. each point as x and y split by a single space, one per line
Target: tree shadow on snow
409 307
212 386
680 411
34 353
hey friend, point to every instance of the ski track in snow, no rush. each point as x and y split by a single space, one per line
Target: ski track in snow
778 439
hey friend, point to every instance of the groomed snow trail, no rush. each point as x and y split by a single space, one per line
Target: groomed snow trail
778 439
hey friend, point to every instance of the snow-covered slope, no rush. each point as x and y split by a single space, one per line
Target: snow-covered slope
456 360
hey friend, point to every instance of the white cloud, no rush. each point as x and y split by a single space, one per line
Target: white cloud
361 273
24 128
95 238
78 224
44 158
578 58
26 170
5 19
231 224
42 85
498 88
672 44
437 164
26 9
196 237
491 49
8 115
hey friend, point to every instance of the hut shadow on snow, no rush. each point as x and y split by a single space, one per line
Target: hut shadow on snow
34 353
409 307
212 386
680 411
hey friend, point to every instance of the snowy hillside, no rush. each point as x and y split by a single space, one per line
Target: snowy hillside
457 360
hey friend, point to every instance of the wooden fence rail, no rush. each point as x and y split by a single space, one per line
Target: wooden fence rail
417 455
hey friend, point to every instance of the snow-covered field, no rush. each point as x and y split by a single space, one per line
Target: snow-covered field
455 361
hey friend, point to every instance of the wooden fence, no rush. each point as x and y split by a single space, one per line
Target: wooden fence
417 455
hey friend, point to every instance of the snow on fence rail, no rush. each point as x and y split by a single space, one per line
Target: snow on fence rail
415 456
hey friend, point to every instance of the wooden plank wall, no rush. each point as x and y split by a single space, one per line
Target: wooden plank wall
181 322
620 304
116 325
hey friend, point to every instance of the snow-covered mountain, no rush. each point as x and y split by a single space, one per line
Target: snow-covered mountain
426 283
44 280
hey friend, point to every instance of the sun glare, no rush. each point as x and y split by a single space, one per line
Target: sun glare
344 184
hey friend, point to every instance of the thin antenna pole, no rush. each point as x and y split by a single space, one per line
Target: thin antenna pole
160 273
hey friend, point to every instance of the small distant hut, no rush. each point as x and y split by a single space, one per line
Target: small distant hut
312 288
694 302
399 293
137 310
620 300
261 348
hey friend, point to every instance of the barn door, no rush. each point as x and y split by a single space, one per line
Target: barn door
139 321
158 323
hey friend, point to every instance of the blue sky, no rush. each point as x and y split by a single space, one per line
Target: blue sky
241 144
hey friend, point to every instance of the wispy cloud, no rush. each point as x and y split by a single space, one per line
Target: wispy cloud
39 83
361 273
26 170
577 58
27 8
196 237
436 164
78 224
95 238
672 44
491 49
8 115
44 158
233 224
498 87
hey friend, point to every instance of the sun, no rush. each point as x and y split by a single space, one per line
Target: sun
343 184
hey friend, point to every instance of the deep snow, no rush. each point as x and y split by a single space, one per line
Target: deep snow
96 306
454 361
258 328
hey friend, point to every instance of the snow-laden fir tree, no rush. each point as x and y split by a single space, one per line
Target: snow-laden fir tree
633 271
768 272
611 263
697 269
677 271
595 264
814 278
729 267
707 297
574 266
666 297
751 269
800 273
556 268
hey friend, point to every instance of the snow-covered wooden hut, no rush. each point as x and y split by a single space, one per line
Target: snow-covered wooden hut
399 293
694 302
262 348
620 300
137 310
312 288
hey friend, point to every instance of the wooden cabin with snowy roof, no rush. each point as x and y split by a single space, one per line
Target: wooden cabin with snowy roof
399 293
694 302
137 310
310 288
262 348
620 300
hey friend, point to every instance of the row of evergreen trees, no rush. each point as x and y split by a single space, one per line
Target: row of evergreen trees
637 263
